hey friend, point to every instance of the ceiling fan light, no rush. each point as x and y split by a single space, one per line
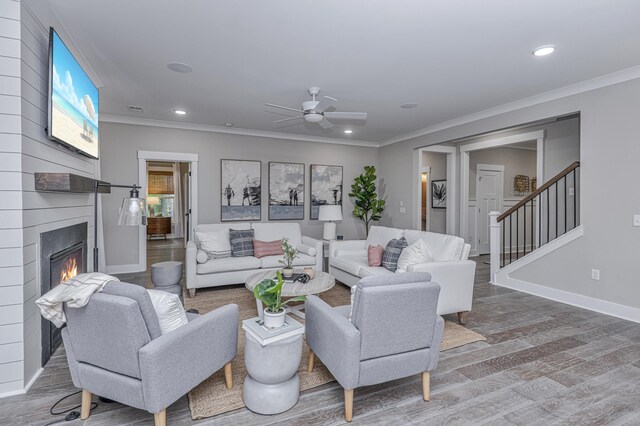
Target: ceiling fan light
314 118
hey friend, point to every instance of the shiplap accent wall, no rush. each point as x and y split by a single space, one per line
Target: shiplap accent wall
25 213
12 247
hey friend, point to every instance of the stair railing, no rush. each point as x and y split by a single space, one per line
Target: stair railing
538 219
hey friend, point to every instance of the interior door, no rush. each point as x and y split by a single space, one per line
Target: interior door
489 198
186 190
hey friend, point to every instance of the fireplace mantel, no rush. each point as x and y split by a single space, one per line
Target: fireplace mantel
68 183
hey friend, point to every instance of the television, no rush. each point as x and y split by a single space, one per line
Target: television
73 101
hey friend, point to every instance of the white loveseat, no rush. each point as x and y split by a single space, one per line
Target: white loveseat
450 268
235 270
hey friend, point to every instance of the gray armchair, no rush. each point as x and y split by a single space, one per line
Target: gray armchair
115 349
394 332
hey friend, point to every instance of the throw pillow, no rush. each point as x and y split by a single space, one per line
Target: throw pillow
353 297
392 253
169 310
374 255
202 256
267 248
414 254
215 243
241 242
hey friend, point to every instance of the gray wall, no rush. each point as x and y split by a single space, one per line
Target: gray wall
515 162
438 164
609 150
121 142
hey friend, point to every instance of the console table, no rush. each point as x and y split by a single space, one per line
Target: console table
158 226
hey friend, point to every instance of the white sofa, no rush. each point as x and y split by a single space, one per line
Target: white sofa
235 270
451 268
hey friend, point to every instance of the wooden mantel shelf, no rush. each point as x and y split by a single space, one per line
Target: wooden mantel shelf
68 182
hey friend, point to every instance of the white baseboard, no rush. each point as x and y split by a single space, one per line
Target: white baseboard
25 389
602 306
33 379
124 269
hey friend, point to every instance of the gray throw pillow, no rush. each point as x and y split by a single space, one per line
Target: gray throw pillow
241 242
392 253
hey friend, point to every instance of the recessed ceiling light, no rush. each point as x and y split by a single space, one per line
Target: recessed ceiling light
180 67
544 50
180 111
348 131
228 124
408 105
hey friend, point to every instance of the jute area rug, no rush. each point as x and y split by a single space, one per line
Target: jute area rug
211 397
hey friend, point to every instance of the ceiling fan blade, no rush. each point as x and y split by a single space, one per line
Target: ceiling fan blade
325 124
346 115
325 103
283 107
287 119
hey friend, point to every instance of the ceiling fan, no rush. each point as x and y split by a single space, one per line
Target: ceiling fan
314 111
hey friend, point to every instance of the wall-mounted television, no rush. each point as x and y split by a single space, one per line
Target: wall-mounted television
73 101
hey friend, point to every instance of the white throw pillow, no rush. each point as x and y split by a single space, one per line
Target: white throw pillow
169 310
308 250
202 256
215 243
353 296
414 254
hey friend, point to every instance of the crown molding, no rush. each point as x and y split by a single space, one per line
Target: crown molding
232 130
563 92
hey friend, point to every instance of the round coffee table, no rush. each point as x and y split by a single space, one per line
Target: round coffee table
320 283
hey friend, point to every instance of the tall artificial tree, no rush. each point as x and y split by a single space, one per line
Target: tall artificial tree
368 207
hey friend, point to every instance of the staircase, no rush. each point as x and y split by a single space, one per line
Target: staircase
545 215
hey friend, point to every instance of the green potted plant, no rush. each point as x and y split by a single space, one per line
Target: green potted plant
289 254
269 292
368 207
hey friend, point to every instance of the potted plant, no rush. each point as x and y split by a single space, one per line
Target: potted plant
368 207
269 292
289 254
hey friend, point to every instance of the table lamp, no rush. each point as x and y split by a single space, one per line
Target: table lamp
328 214
152 202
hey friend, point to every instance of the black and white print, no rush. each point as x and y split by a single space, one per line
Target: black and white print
439 194
326 187
286 191
241 190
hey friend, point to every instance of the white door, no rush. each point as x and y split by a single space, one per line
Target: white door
489 198
187 205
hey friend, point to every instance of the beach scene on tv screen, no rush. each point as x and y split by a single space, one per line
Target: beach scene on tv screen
74 102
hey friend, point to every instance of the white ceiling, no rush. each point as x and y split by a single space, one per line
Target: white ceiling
452 57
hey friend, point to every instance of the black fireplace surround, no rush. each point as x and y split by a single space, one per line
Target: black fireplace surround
60 249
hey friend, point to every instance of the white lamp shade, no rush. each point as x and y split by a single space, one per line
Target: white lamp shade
328 213
133 212
153 201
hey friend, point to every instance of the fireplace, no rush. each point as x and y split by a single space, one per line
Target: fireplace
63 255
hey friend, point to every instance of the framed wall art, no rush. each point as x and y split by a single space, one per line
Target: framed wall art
241 190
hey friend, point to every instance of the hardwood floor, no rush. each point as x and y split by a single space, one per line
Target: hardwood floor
543 363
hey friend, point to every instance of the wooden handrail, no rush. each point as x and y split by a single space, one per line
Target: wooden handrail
540 190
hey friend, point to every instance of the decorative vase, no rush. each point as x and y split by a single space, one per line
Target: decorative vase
311 272
274 320
287 272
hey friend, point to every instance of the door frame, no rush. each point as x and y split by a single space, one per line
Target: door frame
174 157
538 136
488 168
452 186
427 171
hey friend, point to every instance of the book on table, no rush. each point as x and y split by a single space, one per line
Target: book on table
256 329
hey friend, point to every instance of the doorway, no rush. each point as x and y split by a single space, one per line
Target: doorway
170 181
489 190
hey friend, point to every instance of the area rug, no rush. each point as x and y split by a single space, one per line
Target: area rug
211 397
